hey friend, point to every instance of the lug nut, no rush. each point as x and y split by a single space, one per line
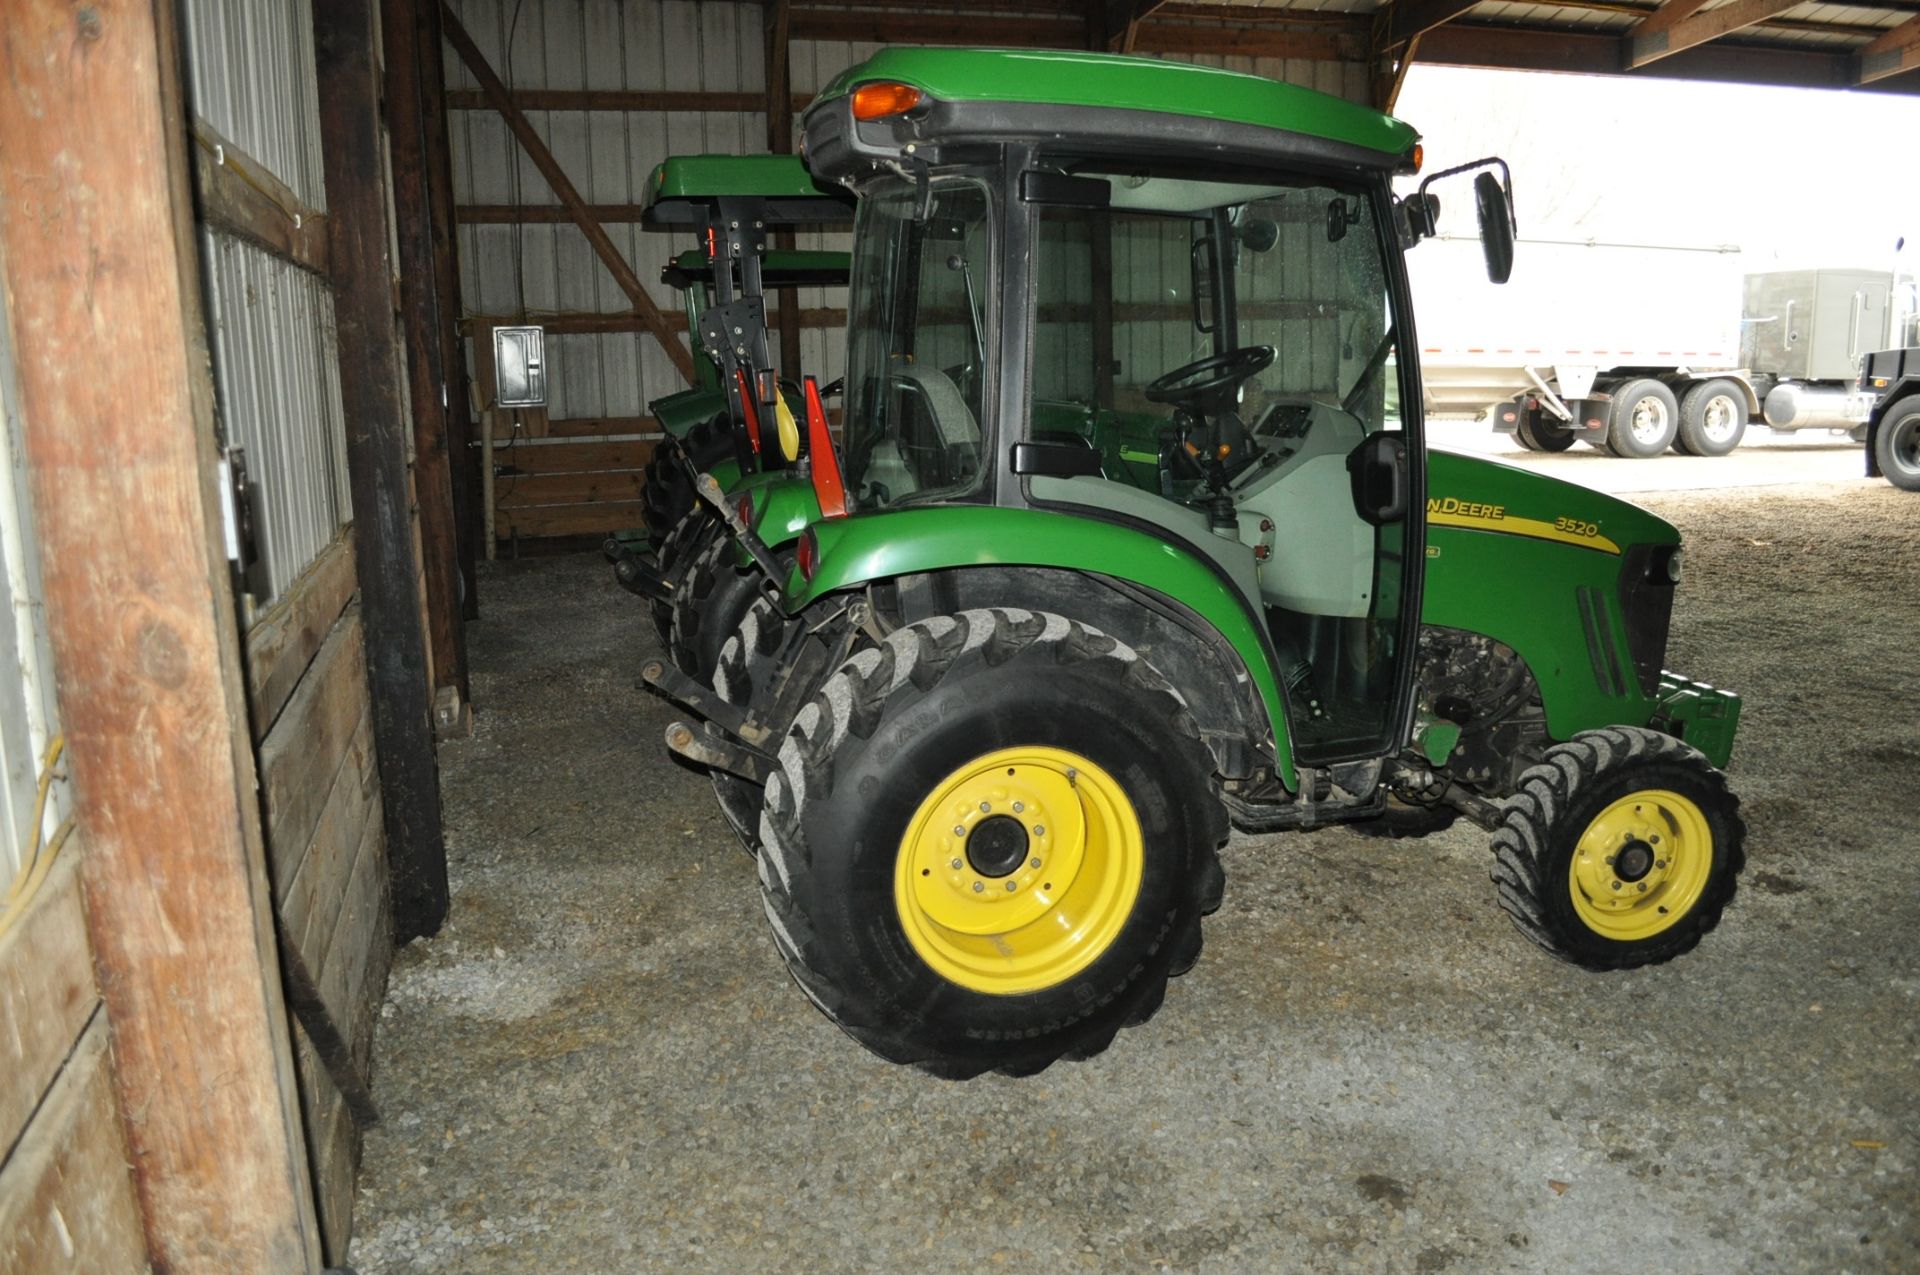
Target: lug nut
958 831
1019 806
1643 887
1039 830
1616 885
1609 861
984 807
1034 864
955 865
1659 863
978 886
1011 887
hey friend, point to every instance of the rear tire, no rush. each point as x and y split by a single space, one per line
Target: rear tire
743 674
708 607
1643 419
685 538
1543 436
1896 447
1713 419
996 964
668 495
1621 849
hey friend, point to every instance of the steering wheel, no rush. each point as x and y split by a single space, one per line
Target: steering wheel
1194 382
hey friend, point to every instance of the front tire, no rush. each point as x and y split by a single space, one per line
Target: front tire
1067 781
1643 419
1896 448
1713 419
1621 849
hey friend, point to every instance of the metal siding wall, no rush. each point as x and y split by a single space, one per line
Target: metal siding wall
710 46
27 711
250 64
271 323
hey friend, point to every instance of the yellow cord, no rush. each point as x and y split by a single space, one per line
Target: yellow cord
36 860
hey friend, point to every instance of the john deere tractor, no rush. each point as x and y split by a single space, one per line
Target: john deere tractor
728 422
1133 536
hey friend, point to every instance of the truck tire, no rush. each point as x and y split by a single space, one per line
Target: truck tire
1713 418
1896 445
743 672
1621 849
1643 419
1068 782
1537 435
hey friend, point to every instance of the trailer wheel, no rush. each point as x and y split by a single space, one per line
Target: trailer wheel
1537 434
1896 447
990 843
1643 420
1713 419
1621 849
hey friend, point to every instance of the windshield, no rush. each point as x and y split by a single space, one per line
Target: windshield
915 357
1193 271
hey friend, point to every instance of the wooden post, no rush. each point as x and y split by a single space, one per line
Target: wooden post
779 15
463 451
564 191
353 153
96 228
425 358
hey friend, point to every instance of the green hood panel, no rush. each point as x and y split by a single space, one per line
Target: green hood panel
1512 555
880 545
1061 78
681 411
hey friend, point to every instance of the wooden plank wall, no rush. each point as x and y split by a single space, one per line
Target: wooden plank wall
67 1200
326 845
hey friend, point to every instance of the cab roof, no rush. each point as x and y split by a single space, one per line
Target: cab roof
1061 78
684 190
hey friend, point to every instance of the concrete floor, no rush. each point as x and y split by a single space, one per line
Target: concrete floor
601 1065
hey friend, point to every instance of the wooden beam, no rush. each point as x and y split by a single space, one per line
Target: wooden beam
621 100
1121 19
282 643
778 28
375 402
1897 50
1155 36
1640 49
564 190
462 438
1411 19
1666 17
427 379
97 232
938 28
239 195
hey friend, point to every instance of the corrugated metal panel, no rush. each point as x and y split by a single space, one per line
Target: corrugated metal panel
27 710
643 44
277 367
250 65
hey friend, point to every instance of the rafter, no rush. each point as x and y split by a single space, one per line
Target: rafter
1641 49
1897 50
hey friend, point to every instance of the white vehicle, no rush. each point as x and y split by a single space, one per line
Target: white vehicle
1637 347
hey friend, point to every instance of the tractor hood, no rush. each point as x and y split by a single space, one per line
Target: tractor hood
1475 494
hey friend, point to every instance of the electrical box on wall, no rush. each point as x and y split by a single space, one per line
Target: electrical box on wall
520 367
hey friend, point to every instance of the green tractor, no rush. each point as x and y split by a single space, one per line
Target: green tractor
1132 537
729 423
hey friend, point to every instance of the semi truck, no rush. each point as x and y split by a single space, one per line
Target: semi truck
1636 348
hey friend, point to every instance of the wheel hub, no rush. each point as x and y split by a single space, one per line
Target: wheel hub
1641 864
997 846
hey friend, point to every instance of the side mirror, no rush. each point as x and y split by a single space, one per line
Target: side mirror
1378 468
1496 226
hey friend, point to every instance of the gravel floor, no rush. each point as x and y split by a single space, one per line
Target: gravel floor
600 1064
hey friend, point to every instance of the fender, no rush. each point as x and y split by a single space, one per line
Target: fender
680 412
856 551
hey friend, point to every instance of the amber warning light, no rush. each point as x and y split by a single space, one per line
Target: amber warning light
876 101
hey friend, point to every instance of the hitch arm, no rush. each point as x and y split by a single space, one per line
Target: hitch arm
756 547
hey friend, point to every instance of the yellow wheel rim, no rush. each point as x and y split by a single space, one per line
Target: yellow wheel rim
1641 865
1018 870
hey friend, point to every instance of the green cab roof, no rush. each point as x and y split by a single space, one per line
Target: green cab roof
1062 78
682 188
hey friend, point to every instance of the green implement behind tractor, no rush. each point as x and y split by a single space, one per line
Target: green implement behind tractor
1131 536
728 422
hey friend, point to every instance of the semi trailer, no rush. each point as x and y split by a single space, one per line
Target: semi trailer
1636 348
